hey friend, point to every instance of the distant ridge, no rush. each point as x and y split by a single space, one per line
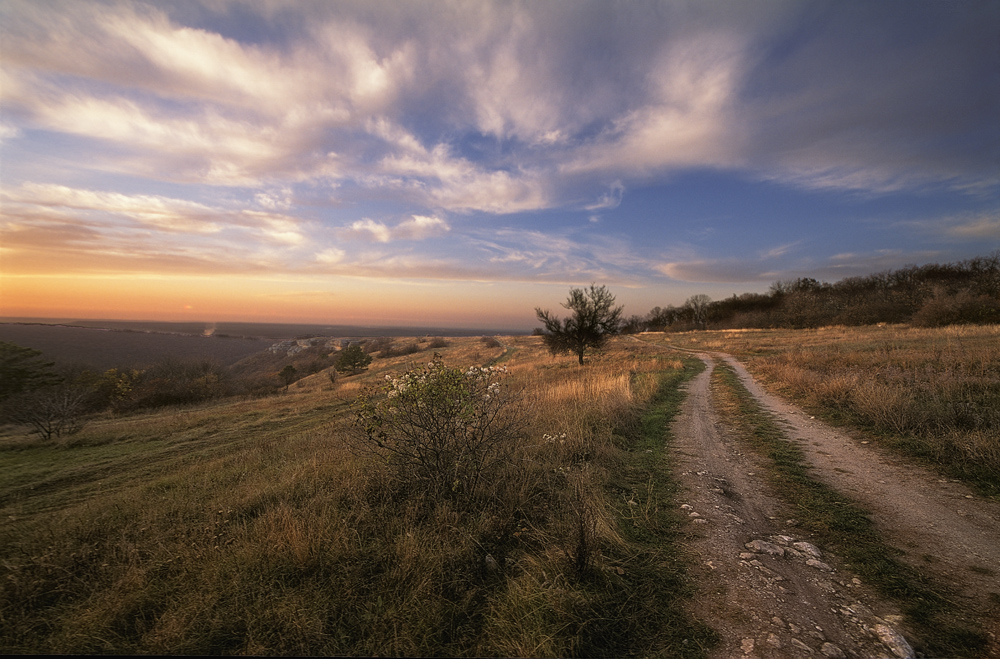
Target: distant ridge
259 330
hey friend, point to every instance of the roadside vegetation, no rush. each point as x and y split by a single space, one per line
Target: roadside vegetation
836 521
249 525
929 393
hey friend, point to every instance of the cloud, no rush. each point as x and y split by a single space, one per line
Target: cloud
368 229
165 214
60 227
331 255
723 271
610 199
417 227
502 108
982 227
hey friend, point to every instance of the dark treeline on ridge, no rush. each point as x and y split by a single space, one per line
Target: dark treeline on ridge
928 296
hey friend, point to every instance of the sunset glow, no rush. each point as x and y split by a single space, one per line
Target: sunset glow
459 164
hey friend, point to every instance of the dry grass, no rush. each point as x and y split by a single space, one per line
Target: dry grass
247 526
929 392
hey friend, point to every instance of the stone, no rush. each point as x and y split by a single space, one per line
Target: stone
819 565
762 547
802 646
894 641
808 548
773 641
832 651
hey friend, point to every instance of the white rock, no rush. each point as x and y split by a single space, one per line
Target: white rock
819 565
894 641
808 548
761 547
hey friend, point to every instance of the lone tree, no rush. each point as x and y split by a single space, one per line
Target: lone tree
287 375
594 319
353 360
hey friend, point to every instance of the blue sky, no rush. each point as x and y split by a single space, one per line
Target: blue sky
460 163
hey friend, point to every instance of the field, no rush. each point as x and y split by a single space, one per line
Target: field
248 526
257 526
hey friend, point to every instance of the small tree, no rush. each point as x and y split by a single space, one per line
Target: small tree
594 319
353 360
287 375
51 412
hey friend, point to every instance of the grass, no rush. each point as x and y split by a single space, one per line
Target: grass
932 394
838 522
248 527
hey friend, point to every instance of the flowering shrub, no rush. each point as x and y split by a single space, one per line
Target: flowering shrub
445 428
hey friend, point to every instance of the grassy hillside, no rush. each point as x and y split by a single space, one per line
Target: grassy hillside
249 526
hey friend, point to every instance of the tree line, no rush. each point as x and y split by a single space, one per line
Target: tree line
928 296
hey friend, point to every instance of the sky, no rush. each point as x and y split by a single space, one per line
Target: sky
462 163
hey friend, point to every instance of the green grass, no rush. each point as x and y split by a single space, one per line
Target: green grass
651 618
838 522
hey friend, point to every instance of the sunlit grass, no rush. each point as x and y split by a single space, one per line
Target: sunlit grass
247 526
930 393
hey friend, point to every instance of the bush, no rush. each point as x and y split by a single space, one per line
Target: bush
51 412
353 360
395 350
443 429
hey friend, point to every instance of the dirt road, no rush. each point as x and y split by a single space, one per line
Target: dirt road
771 593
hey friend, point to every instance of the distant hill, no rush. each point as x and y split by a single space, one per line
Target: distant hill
101 348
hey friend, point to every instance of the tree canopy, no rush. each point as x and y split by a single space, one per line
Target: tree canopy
23 369
594 319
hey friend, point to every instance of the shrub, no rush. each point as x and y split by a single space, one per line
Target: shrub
443 429
394 350
51 412
353 360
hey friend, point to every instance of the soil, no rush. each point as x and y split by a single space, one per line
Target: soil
767 590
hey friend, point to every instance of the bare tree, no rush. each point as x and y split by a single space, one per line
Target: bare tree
698 305
51 412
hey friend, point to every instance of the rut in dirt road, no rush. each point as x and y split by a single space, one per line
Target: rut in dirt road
940 526
765 588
